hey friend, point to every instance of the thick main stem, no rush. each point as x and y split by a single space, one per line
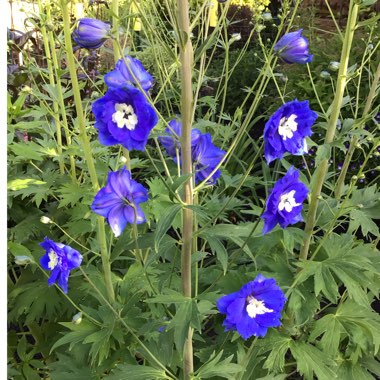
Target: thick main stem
86 146
331 127
355 139
186 59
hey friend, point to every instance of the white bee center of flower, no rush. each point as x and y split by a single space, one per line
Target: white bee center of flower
256 307
53 259
287 127
125 116
287 201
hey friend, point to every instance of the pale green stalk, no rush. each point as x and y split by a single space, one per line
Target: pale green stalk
355 139
45 40
331 127
86 146
61 101
186 58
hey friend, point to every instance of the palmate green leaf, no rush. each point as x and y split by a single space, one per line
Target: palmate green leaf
72 193
345 263
77 334
26 299
66 368
350 371
332 329
136 372
310 360
359 219
221 368
26 151
279 345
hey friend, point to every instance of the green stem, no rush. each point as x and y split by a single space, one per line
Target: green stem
355 139
45 40
86 145
247 359
186 59
61 102
331 127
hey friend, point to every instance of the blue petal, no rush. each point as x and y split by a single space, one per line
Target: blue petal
117 220
223 303
63 280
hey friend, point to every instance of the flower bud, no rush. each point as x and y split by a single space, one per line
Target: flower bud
293 48
266 16
334 65
235 37
77 318
45 220
325 74
91 33
354 178
23 260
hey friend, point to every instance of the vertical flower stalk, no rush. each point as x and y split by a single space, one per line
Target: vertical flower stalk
355 139
331 127
117 54
45 40
61 101
86 145
186 59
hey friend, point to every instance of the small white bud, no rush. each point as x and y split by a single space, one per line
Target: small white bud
123 160
325 74
77 318
334 65
45 220
266 16
23 260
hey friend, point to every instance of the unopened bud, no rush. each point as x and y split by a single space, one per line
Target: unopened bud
26 89
23 260
325 74
45 220
266 16
354 178
235 37
334 65
362 176
360 205
77 318
123 160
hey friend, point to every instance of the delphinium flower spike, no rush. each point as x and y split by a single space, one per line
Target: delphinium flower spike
119 201
60 259
91 33
284 204
287 129
293 48
254 308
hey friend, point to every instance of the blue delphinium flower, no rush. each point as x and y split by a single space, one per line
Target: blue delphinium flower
254 308
284 204
125 70
91 33
119 201
206 157
123 116
60 259
293 48
171 143
287 129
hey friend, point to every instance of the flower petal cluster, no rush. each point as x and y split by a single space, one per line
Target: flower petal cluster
124 116
60 259
126 70
284 204
91 33
293 48
119 201
205 155
172 143
254 308
287 129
